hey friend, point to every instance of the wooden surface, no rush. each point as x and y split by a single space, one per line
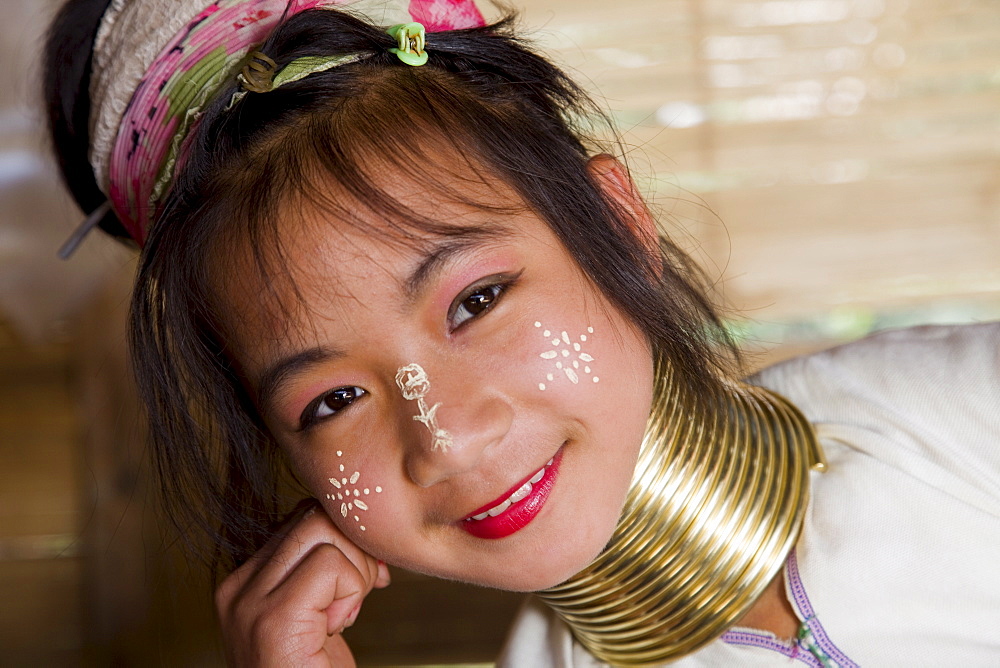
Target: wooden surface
41 476
834 164
90 572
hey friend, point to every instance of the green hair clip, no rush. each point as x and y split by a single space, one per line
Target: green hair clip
410 39
259 76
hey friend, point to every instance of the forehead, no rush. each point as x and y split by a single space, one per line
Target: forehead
381 231
333 247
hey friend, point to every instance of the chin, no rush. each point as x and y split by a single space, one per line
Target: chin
549 567
563 556
549 574
540 568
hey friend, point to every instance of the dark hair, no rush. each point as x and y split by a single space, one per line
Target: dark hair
65 85
509 112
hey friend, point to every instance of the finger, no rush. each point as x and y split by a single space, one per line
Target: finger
245 573
325 588
312 530
303 509
339 653
292 624
383 578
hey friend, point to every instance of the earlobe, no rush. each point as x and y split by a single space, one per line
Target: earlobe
615 182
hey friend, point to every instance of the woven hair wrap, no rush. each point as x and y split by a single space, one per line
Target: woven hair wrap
157 63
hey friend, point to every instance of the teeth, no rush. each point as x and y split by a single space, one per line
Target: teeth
496 510
522 492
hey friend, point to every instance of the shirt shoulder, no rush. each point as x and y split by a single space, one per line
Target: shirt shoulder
539 638
943 377
914 355
927 394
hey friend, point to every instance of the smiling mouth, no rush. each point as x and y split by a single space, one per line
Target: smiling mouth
522 492
515 510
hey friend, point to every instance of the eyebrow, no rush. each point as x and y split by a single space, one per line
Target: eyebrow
460 240
277 374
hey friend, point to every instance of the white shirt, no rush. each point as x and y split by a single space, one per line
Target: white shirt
898 563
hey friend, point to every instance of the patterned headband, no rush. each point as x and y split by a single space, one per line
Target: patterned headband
148 98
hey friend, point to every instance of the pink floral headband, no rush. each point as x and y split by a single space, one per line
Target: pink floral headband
193 66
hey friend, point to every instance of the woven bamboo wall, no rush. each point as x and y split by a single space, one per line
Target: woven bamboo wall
834 164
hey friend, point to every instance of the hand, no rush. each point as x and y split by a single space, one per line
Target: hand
288 604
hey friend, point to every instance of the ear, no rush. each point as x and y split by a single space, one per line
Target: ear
613 179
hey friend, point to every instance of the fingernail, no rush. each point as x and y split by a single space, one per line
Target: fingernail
353 616
381 563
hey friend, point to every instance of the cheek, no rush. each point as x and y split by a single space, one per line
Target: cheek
352 495
567 357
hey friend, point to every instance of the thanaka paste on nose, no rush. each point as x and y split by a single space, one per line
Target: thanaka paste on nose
349 495
563 347
414 384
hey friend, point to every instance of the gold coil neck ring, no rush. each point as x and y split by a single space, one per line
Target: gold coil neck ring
715 505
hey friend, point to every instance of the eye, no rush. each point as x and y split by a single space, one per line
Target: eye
474 303
330 404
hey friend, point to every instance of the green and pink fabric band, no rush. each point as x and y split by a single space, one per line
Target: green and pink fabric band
138 143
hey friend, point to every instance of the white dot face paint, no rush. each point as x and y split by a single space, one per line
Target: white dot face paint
414 384
563 348
347 495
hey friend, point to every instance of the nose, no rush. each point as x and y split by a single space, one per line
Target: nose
448 421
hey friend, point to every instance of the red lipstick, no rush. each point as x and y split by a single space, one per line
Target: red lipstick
519 514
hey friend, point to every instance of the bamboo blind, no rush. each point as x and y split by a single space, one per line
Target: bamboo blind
816 155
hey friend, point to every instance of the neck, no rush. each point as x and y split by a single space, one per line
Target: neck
715 505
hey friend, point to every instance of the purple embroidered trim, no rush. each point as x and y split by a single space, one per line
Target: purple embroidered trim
767 641
794 651
801 601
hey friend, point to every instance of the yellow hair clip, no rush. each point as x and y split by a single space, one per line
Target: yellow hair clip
410 43
258 74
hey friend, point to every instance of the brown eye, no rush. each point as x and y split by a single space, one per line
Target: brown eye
328 405
479 302
337 400
476 303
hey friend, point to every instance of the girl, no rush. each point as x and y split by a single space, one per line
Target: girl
379 252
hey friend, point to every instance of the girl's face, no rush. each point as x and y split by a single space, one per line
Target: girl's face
417 389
